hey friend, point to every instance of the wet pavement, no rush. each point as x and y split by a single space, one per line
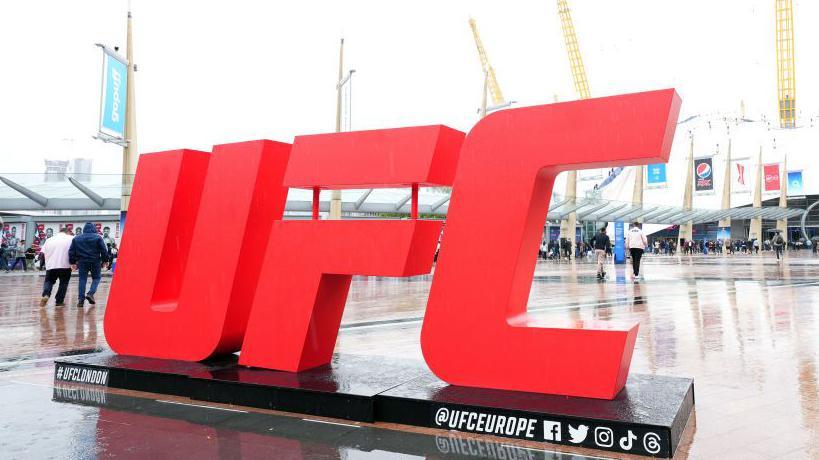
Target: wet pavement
742 326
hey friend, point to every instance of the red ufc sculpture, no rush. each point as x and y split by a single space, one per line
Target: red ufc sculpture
180 290
308 265
476 331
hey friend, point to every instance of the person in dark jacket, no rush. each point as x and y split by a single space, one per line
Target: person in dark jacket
88 253
602 245
30 253
778 244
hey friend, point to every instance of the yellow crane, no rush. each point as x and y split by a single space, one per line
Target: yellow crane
491 80
785 64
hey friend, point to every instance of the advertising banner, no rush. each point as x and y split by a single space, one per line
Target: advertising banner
656 175
619 243
46 231
13 233
740 176
703 175
554 233
795 184
724 233
112 104
771 177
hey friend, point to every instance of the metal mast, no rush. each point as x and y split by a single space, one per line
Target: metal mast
786 86
581 85
335 197
491 80
129 151
785 64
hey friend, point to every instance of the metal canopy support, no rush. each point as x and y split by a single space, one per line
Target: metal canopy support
728 214
740 212
749 213
756 213
721 215
400 204
439 203
87 192
656 212
707 216
766 213
676 216
609 212
619 216
686 217
631 216
576 209
663 216
570 209
557 205
689 216
644 212
700 216
778 213
362 198
28 193
590 211
57 204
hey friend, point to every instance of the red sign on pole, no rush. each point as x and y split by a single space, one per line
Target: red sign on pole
771 177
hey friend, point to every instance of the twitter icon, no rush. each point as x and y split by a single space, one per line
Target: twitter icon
578 435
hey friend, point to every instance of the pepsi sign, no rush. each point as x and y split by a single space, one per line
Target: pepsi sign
703 175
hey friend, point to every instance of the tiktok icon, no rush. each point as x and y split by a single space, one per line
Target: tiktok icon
627 441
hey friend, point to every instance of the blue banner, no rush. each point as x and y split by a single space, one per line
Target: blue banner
619 243
724 233
554 233
795 184
655 174
114 87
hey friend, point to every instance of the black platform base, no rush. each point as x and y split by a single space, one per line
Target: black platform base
648 417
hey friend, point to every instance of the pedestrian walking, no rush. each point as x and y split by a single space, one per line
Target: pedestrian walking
58 266
88 254
778 244
636 243
602 245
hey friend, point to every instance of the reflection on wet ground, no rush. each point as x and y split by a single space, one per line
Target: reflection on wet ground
743 327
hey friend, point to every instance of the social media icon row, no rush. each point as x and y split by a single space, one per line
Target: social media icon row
603 436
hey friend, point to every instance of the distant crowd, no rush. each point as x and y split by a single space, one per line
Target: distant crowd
14 253
562 249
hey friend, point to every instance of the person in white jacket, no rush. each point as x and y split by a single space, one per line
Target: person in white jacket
57 266
636 243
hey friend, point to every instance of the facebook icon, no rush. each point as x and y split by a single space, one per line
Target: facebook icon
551 431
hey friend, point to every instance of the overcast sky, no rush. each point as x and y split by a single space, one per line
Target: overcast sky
214 71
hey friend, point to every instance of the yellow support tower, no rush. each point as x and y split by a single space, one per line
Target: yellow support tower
785 64
581 84
492 82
